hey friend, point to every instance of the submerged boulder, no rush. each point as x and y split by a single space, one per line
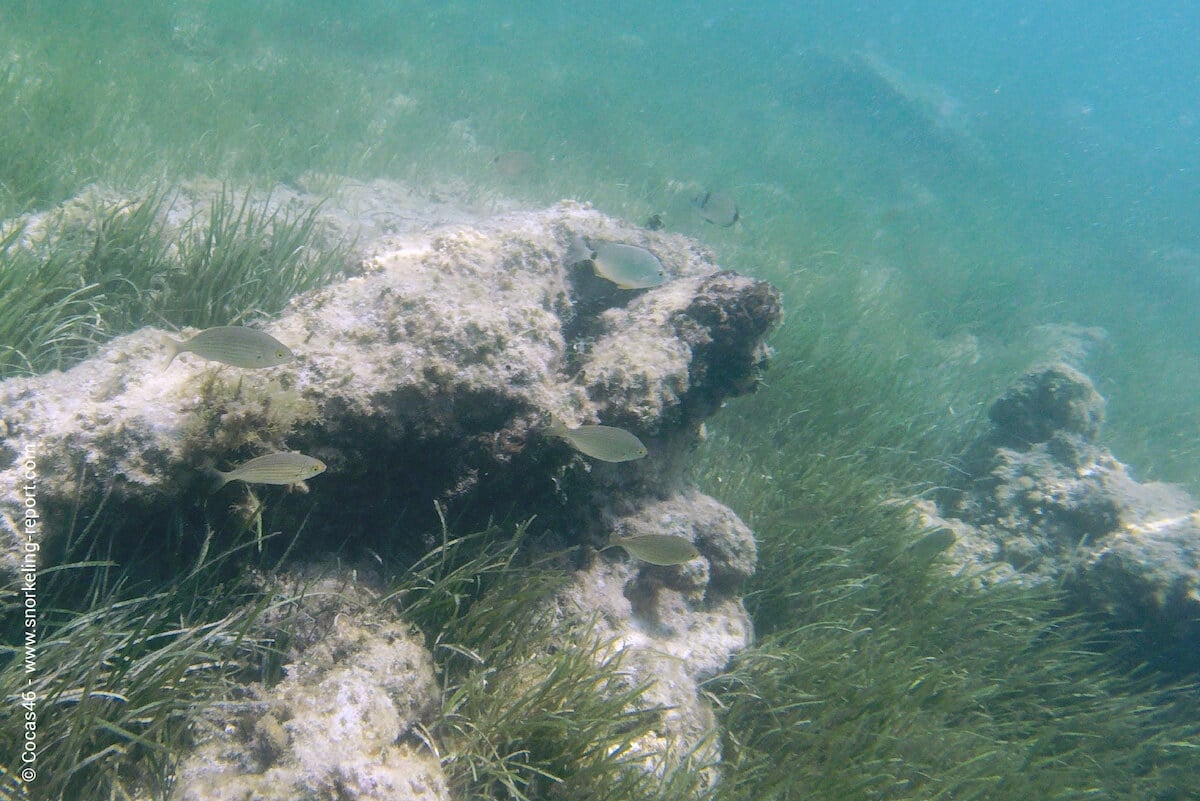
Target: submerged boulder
1046 503
345 722
429 377
425 383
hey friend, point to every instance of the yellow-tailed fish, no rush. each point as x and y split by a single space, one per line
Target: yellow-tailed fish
627 266
657 549
606 443
234 345
274 468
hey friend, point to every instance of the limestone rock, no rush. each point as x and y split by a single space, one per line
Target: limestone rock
427 377
342 724
1046 504
678 625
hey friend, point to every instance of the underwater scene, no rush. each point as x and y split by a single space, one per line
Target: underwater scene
667 402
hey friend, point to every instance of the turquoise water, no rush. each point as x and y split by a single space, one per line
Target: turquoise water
989 170
946 194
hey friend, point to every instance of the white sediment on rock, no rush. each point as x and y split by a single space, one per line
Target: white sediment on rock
344 723
1045 503
460 338
430 375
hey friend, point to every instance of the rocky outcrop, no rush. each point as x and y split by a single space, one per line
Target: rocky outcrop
677 625
1045 503
353 716
346 721
426 377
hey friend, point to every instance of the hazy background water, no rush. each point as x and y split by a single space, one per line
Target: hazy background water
945 192
970 173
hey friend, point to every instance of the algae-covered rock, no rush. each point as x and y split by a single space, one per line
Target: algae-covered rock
424 380
429 376
344 723
1045 503
677 625
1056 399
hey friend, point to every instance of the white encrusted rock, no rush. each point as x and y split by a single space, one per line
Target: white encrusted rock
346 721
440 363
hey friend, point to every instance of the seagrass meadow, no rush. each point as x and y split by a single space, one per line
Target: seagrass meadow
148 157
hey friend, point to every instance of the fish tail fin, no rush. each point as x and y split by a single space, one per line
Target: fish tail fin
579 251
216 479
556 428
174 348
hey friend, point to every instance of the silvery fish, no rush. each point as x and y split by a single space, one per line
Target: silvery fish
657 549
274 468
928 547
627 266
717 208
232 344
605 443
514 163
